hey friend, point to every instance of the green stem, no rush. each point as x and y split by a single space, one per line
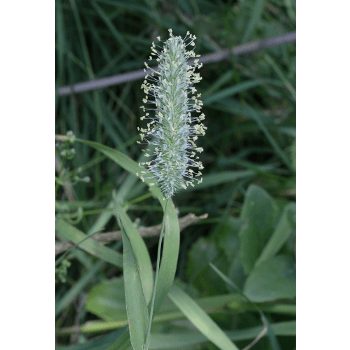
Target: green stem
148 337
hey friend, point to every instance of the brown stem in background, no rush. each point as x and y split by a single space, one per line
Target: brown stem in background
151 231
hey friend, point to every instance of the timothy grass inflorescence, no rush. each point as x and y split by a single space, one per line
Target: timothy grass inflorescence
172 129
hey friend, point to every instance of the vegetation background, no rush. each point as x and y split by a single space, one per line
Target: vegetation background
248 188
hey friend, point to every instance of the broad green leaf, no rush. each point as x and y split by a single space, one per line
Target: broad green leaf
258 216
74 235
273 279
136 304
200 319
280 235
227 236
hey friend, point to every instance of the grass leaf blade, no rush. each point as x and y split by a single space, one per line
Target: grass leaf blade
136 305
200 319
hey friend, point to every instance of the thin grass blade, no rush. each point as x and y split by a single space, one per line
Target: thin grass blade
136 305
200 319
94 248
140 251
172 230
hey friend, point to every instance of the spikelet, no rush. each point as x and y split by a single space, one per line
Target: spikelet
171 127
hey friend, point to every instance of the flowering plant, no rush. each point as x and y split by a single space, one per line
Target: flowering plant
172 129
171 133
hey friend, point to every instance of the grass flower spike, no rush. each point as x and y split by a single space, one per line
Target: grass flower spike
172 130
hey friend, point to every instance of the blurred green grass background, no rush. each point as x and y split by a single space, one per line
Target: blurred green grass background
249 147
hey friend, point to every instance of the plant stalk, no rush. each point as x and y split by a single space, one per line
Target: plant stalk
148 337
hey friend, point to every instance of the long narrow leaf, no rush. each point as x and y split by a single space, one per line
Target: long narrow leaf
170 255
172 230
136 305
77 288
120 158
122 343
94 248
101 343
200 319
141 253
179 340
